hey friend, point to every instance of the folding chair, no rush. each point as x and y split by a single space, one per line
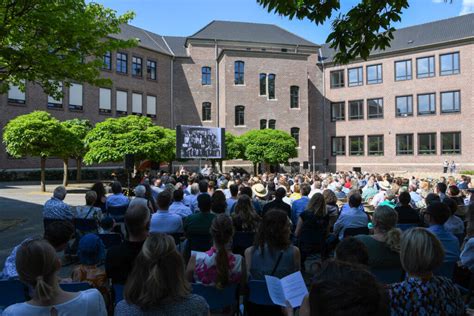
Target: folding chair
75 287
11 292
388 275
241 241
218 299
48 221
85 225
356 231
117 212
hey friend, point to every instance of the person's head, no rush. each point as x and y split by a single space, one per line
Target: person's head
280 193
158 274
58 234
317 185
140 191
421 251
164 200
306 189
355 199
452 205
60 192
178 195
437 213
296 188
404 198
222 231
116 187
274 230
344 289
234 189
432 198
352 250
218 202
98 187
317 205
441 187
385 221
203 186
137 221
107 223
37 265
194 188
329 197
453 190
246 191
204 203
91 250
91 197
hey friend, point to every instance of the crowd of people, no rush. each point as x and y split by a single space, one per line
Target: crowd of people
342 230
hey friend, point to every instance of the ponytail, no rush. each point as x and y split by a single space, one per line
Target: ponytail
222 231
44 291
222 265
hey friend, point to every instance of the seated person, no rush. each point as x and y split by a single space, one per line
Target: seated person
467 250
422 292
218 202
384 245
178 207
140 198
163 221
117 199
244 217
200 223
217 267
278 203
55 208
352 250
38 266
406 214
351 217
158 284
89 211
58 234
454 224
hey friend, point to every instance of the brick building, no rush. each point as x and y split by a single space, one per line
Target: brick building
245 76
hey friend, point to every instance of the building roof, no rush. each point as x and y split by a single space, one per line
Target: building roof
177 45
147 39
249 32
437 32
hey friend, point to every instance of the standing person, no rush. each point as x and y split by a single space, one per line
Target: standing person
218 202
190 199
245 219
299 205
55 208
278 203
445 166
38 266
452 167
234 192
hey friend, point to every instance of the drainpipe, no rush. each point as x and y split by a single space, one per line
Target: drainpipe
171 94
324 109
217 85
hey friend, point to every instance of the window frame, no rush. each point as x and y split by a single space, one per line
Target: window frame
361 114
441 101
120 61
136 60
341 76
117 92
264 125
206 111
272 124
76 107
104 110
148 96
361 146
343 118
137 93
430 73
380 145
271 86
295 131
396 105
151 70
431 143
206 76
378 115
360 81
338 153
454 71
262 83
56 104
239 73
408 151
294 97
451 151
23 93
377 80
238 117
107 56
407 77
433 112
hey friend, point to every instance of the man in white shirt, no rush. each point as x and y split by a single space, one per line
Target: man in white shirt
163 221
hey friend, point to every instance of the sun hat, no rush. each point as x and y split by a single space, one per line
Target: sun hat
385 185
91 250
259 190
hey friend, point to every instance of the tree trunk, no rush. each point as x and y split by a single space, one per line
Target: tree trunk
65 171
255 165
43 176
170 167
79 169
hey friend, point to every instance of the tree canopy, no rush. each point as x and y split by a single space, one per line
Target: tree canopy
78 129
111 139
366 27
233 147
269 146
48 42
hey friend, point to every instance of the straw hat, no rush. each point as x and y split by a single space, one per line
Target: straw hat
259 190
385 185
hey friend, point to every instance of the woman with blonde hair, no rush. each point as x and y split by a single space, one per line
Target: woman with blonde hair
244 218
384 244
423 293
157 284
38 264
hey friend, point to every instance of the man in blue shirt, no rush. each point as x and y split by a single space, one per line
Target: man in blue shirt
178 207
55 208
299 205
163 221
191 199
117 198
351 217
234 191
436 215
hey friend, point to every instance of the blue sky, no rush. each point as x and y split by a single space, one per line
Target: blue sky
185 17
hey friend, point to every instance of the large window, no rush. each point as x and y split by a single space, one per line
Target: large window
75 97
151 106
375 145
449 64
122 62
375 108
136 66
295 133
405 144
206 111
151 69
355 76
404 106
425 67
338 146
450 101
105 100
374 74
263 84
206 76
403 70
121 102
239 72
263 124
337 79
356 110
15 95
451 143
239 115
426 104
338 112
294 97
107 61
427 144
271 86
272 124
137 103
356 145
54 103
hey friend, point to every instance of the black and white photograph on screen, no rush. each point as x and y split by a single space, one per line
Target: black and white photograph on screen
196 142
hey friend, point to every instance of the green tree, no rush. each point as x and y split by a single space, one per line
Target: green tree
75 132
35 134
113 138
366 27
48 41
233 147
268 146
